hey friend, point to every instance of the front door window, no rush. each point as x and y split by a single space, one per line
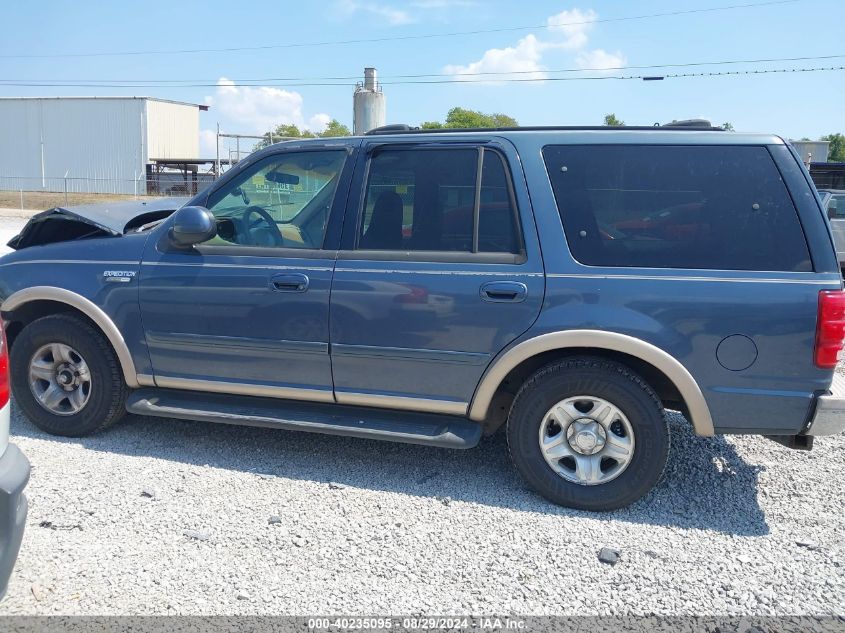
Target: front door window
282 201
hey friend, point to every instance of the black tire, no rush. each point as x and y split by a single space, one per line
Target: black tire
600 378
106 402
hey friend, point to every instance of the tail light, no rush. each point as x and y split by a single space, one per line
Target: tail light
4 368
830 328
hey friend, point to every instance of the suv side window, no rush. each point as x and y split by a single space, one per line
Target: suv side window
419 199
282 201
699 207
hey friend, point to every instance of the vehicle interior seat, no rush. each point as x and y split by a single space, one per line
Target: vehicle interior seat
385 229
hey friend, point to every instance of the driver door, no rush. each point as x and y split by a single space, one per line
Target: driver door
247 311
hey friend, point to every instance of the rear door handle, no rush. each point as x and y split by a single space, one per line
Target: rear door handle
504 291
289 282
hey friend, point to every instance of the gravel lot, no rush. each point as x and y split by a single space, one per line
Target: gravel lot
164 517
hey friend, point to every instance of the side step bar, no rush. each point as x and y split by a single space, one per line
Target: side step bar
381 424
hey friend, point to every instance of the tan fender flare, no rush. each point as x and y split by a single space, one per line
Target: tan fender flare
596 339
89 309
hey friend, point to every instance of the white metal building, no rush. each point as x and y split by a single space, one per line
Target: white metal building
91 144
812 151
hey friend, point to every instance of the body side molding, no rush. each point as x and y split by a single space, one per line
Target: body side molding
382 401
674 370
89 309
244 389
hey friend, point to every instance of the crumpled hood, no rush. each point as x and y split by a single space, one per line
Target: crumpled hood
92 220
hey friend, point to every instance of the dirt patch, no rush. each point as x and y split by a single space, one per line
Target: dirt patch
41 200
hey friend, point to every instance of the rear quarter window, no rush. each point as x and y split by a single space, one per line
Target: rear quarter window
658 206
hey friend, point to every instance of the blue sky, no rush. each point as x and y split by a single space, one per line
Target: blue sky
794 105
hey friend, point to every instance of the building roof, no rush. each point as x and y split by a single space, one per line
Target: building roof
185 103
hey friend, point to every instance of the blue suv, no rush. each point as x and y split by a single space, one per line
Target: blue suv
564 284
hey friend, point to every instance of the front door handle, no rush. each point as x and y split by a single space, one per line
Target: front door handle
289 282
504 291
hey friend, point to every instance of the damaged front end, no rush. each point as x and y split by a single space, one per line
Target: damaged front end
110 219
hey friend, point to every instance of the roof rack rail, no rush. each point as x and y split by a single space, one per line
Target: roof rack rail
693 125
396 128
699 123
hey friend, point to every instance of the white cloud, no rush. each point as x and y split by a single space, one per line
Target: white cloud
574 25
600 60
390 14
208 144
318 122
523 58
443 4
412 12
254 110
568 30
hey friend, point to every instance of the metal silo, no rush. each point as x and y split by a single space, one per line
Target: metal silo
368 104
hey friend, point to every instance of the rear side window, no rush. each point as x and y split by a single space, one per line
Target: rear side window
713 207
434 200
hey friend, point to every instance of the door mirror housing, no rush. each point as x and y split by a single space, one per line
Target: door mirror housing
192 225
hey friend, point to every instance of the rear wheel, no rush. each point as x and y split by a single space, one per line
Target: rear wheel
588 433
66 377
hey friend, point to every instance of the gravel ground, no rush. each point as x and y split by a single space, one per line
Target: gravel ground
164 517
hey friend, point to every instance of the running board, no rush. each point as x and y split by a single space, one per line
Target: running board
380 424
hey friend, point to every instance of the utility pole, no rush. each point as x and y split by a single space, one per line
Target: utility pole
217 171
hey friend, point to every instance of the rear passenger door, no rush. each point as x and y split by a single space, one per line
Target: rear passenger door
439 269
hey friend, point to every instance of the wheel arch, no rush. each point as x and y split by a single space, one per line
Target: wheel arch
651 361
38 300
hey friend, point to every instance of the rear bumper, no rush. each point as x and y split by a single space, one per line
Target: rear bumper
14 475
829 418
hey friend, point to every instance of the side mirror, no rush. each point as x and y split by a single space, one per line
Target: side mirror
192 225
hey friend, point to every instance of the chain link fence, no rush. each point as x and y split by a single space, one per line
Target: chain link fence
37 193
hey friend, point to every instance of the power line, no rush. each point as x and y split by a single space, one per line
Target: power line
399 37
726 73
178 83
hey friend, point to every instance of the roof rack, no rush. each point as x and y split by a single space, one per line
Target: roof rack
698 125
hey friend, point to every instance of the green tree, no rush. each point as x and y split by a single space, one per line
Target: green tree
611 120
283 131
463 118
727 126
836 151
286 131
335 128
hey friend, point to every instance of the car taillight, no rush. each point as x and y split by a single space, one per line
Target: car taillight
830 328
4 368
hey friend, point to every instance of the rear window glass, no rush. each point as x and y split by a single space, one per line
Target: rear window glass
714 207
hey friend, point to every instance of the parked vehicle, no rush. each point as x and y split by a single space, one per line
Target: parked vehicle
433 287
833 201
14 475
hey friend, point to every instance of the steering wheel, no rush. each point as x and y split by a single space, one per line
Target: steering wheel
275 233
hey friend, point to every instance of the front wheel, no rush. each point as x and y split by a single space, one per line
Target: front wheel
588 433
66 377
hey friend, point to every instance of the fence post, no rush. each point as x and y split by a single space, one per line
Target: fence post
66 191
136 184
21 199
